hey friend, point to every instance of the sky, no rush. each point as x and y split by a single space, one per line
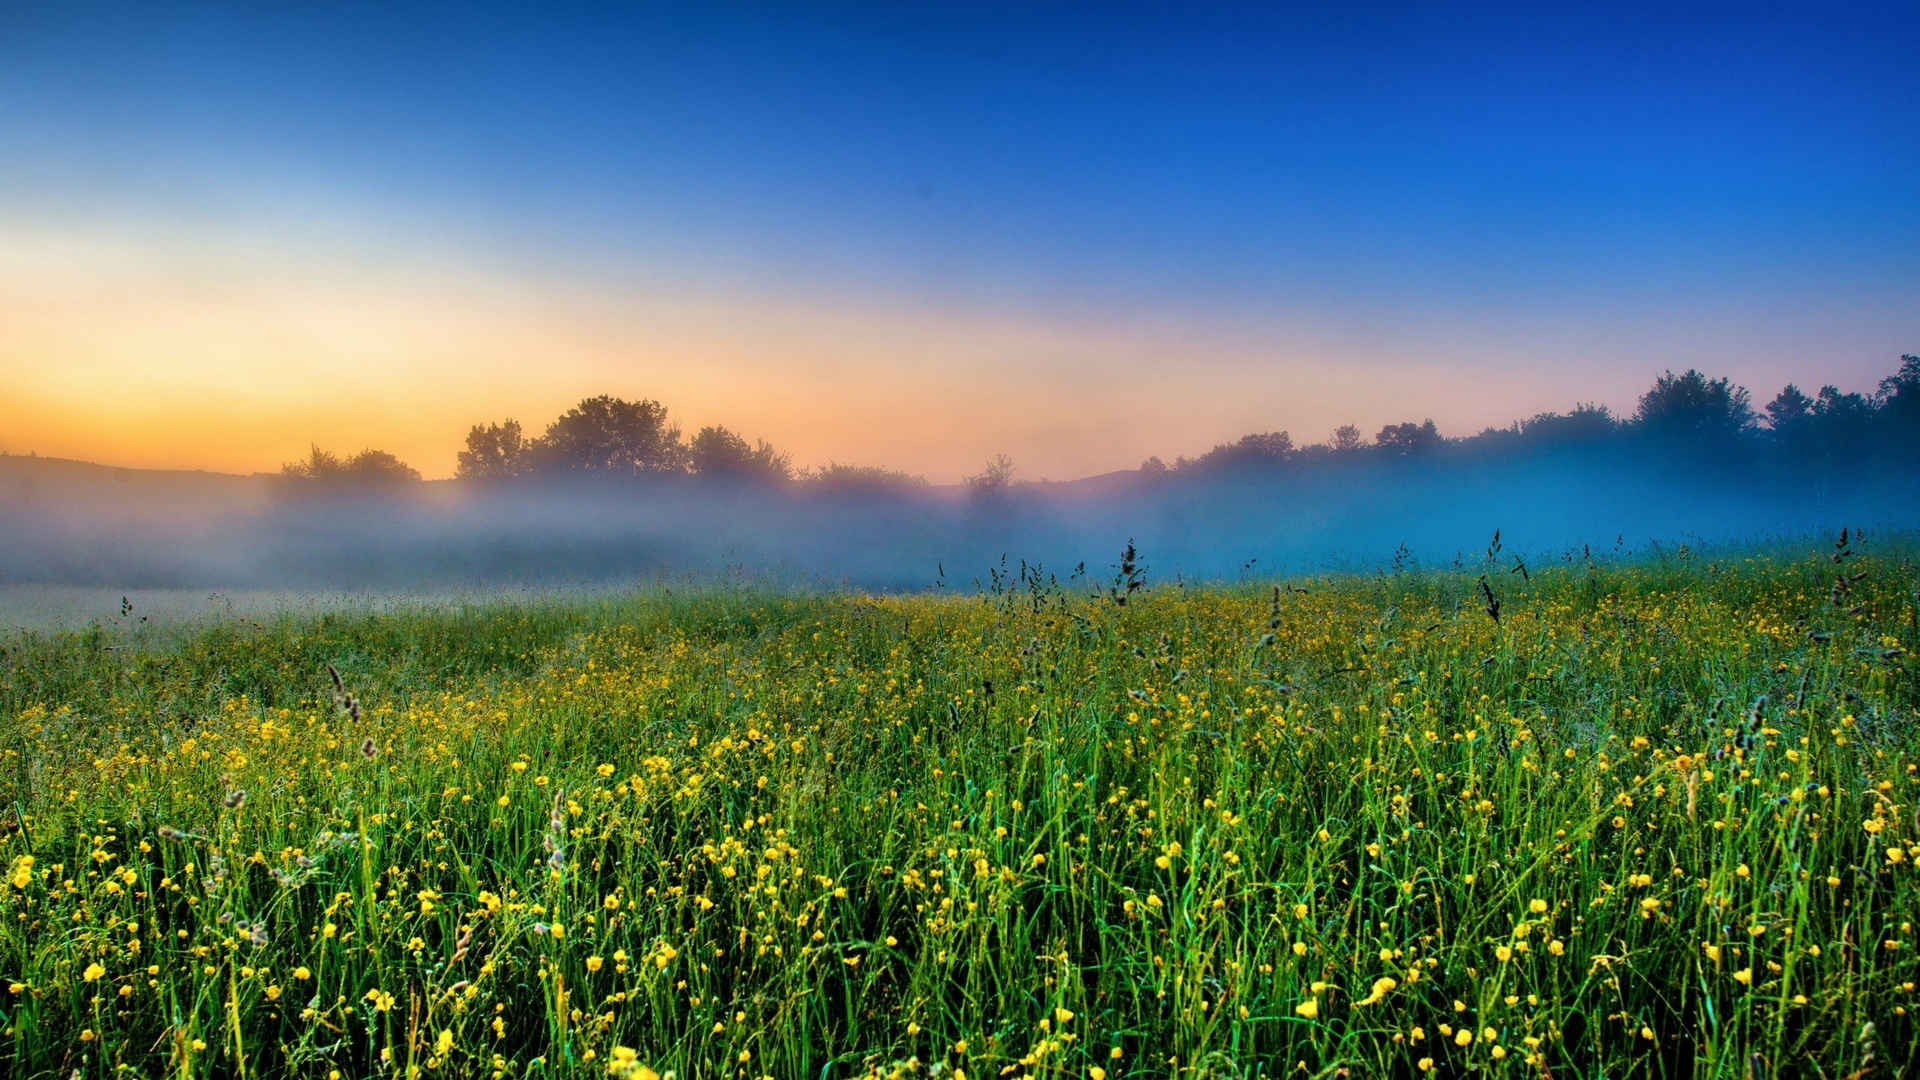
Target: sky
918 236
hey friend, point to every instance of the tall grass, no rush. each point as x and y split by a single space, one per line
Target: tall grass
1653 819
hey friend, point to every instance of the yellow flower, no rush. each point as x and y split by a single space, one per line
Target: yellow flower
23 871
94 972
444 1043
624 1061
1309 1008
1380 989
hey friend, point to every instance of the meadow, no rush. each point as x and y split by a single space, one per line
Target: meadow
1593 818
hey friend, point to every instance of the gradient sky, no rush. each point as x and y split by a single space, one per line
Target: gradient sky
917 237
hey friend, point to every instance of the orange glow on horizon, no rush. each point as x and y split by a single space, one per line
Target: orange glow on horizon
236 360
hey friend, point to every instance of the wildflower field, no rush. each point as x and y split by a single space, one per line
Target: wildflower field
1597 819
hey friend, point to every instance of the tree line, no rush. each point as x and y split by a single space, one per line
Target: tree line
1687 414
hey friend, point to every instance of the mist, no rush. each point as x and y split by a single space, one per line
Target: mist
64 523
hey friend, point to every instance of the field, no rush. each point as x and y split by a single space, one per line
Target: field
1646 818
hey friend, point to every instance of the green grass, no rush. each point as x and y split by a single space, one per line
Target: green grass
1658 819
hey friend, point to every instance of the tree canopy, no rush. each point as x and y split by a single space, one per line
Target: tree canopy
1408 439
611 436
495 452
1692 406
1688 412
720 454
368 469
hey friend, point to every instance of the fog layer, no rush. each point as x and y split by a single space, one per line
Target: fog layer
69 524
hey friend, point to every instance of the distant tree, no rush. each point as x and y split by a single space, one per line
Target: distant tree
1346 439
1586 423
719 454
1837 412
613 437
1840 425
368 469
1585 426
1268 448
377 468
1788 410
1898 399
993 480
1791 422
1272 445
861 480
1408 439
320 465
495 452
1694 407
1153 466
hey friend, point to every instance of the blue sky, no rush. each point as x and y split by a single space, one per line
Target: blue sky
1372 212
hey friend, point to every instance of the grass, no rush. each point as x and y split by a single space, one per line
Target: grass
1658 818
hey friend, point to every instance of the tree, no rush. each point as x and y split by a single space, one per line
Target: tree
320 465
1693 407
1789 410
1153 466
377 468
1346 439
995 479
1408 439
1587 423
494 452
719 454
1262 449
613 437
368 469
1837 412
1898 399
836 479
